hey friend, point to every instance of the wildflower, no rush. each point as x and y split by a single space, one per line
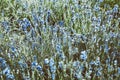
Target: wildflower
90 70
22 64
83 55
33 33
34 64
58 47
26 77
42 22
106 48
5 25
115 9
35 58
25 5
96 8
65 38
48 12
44 29
61 23
53 69
115 62
53 76
51 62
78 75
92 63
99 21
1 59
103 28
39 68
108 61
55 29
76 63
25 24
98 73
110 68
6 71
112 34
2 63
97 62
10 77
34 16
61 55
60 65
13 49
108 12
46 61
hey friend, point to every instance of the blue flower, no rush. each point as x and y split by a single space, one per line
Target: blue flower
58 47
48 12
25 5
61 23
53 76
76 64
34 64
115 9
97 62
98 73
34 16
10 77
83 55
22 64
53 69
108 61
33 33
5 25
61 55
60 65
92 63
42 22
106 48
51 62
25 23
13 49
39 68
6 71
2 63
35 58
1 59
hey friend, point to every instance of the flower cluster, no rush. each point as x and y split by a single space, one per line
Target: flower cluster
59 40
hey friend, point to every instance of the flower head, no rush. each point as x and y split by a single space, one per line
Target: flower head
46 61
83 55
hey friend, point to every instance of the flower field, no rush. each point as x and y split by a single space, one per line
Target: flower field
59 39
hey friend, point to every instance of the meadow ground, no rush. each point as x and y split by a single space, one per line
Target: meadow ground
59 39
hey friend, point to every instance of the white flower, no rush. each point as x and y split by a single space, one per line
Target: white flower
46 61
